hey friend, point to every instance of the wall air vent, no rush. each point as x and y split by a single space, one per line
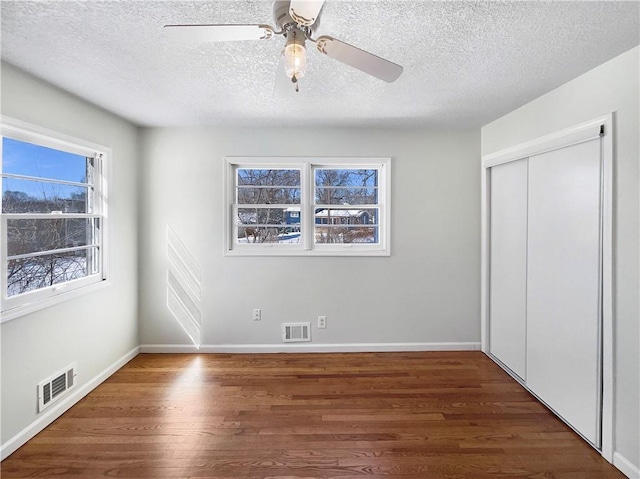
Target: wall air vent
295 332
56 386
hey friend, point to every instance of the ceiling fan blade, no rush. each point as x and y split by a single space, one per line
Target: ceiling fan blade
217 33
305 12
363 61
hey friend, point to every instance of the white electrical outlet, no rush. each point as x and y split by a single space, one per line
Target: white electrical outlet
322 322
257 315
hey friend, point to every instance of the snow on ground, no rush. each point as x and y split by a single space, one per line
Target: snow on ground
35 275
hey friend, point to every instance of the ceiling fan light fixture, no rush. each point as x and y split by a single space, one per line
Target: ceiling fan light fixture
295 54
295 60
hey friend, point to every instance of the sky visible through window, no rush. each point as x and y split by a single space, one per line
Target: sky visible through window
42 252
27 159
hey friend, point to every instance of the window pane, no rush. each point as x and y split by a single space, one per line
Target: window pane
280 200
346 234
346 177
344 216
268 195
21 158
346 196
26 236
257 177
23 196
342 225
266 234
29 274
269 216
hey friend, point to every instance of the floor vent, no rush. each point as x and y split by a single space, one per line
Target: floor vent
295 332
56 386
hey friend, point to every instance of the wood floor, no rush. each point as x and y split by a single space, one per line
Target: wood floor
349 416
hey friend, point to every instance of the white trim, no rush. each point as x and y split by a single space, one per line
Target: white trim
52 216
29 302
567 137
56 411
47 180
23 131
626 466
570 136
608 352
28 308
485 242
309 348
270 249
306 247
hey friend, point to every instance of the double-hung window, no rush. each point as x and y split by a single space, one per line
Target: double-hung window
53 217
307 206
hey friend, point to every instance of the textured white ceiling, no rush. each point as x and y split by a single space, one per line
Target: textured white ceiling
465 63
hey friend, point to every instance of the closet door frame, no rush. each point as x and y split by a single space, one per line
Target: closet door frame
602 128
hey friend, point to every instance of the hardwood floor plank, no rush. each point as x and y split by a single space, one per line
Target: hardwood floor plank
434 415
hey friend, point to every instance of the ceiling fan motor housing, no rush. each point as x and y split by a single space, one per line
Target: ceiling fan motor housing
284 21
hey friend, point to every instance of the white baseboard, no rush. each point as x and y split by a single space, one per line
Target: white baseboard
308 348
57 410
627 468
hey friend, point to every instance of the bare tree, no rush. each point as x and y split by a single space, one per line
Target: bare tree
342 187
30 236
266 187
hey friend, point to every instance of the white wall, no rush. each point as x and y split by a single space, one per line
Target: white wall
426 292
611 87
97 329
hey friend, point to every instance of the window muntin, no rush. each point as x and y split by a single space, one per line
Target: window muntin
265 199
33 272
346 226
29 196
294 206
30 160
35 235
337 186
268 186
354 221
267 225
53 218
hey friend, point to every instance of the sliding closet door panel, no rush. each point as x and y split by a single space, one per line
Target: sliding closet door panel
508 291
563 289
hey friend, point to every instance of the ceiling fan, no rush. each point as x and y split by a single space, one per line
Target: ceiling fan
297 21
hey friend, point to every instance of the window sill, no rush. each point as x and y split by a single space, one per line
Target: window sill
28 308
344 251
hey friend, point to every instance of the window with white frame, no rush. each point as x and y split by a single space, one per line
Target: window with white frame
307 206
53 217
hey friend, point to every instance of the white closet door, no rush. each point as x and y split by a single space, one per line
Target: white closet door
563 284
508 292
